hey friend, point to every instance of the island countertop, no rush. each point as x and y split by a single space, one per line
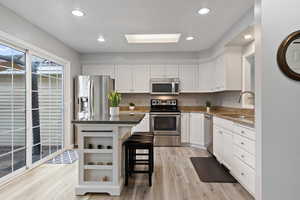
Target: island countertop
120 119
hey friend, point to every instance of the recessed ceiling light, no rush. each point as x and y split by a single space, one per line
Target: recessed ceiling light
248 37
204 11
189 38
153 38
101 39
78 13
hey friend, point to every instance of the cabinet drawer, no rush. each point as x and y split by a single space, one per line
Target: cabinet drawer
245 143
243 131
245 175
244 156
229 125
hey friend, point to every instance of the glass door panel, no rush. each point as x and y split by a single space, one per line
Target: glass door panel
47 107
12 110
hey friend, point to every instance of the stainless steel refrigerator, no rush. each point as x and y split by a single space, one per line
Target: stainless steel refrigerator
91 96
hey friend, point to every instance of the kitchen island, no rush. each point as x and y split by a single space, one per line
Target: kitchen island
101 152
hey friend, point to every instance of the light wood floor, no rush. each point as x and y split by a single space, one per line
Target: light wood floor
174 179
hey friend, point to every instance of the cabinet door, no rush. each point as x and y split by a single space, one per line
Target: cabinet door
206 77
157 71
185 127
189 78
140 78
143 126
218 143
196 129
228 149
220 74
171 71
124 79
99 70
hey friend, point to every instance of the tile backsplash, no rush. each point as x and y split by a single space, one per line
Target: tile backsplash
226 99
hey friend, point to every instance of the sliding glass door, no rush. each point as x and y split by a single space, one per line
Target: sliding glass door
12 110
29 132
47 107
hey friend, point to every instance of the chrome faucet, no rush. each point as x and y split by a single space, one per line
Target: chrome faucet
245 92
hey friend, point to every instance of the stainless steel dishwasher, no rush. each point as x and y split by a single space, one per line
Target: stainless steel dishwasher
208 131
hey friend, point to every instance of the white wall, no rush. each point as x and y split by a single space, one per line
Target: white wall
20 28
277 104
140 58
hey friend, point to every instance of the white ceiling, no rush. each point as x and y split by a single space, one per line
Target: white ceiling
114 18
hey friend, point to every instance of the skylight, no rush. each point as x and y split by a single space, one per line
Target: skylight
152 38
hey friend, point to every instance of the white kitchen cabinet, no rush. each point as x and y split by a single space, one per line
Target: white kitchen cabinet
132 79
234 146
188 75
185 127
223 146
218 143
164 71
228 71
141 78
228 149
157 71
171 71
206 77
144 125
124 79
197 129
99 70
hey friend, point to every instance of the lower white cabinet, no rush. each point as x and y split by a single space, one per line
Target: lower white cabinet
197 129
223 146
185 127
234 147
144 125
228 149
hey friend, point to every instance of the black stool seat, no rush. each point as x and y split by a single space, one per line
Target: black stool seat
144 141
143 134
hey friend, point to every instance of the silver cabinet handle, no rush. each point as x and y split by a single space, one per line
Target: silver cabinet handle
242 156
242 143
242 174
243 132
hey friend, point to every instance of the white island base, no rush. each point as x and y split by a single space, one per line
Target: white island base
101 153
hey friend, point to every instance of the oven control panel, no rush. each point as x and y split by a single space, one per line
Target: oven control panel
168 102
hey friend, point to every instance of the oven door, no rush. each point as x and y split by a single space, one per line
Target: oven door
165 124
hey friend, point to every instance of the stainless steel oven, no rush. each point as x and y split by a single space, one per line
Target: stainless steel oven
164 86
166 128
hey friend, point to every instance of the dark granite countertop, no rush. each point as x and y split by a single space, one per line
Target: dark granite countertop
120 119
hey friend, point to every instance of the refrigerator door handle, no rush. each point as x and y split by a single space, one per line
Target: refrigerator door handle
92 98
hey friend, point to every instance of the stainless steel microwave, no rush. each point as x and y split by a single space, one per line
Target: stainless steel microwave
164 86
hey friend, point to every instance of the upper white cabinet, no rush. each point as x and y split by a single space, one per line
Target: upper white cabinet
132 78
228 70
164 71
124 83
99 70
171 71
141 78
206 74
188 75
157 71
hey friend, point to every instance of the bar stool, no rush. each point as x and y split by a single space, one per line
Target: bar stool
132 144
